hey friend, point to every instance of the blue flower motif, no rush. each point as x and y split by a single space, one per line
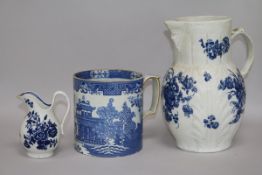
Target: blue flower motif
207 76
41 133
187 110
52 132
178 89
187 83
211 117
210 122
42 144
172 98
215 48
234 83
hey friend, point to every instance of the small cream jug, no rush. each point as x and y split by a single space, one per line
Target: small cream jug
203 91
40 131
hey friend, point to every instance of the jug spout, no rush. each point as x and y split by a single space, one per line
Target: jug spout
172 25
32 100
177 33
180 38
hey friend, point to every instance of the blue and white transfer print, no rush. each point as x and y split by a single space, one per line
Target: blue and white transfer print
236 94
178 90
112 88
40 133
214 48
113 133
115 128
99 74
136 101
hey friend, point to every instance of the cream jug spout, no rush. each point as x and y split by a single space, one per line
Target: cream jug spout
32 100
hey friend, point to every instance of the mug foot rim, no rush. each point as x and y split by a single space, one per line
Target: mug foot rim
87 153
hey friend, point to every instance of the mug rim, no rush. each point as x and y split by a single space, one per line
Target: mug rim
75 77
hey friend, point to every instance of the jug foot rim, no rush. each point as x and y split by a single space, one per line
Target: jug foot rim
204 150
40 155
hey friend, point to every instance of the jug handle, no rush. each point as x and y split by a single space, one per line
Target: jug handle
250 50
155 93
67 110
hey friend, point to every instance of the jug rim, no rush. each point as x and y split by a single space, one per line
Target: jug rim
36 96
203 19
77 76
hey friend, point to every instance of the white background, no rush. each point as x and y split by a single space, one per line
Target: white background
43 42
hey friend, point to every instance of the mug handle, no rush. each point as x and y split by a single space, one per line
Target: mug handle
67 110
250 50
156 95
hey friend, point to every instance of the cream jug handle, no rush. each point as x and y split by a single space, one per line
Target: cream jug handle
67 110
156 95
250 51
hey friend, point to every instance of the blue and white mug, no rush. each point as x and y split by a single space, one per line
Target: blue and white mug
109 111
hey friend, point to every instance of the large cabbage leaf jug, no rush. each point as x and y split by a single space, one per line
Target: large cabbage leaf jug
204 92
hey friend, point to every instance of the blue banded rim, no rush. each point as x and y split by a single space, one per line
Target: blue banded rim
108 75
34 94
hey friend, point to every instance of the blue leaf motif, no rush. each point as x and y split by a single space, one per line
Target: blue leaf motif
30 103
26 144
234 84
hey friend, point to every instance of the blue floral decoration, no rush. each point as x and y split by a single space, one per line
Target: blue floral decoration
213 49
172 117
178 90
207 76
235 86
187 110
210 122
41 133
